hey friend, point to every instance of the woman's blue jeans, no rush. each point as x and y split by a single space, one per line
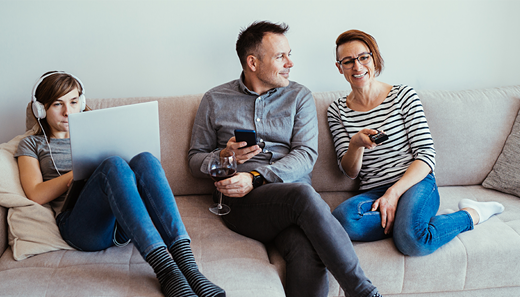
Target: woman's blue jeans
136 195
417 230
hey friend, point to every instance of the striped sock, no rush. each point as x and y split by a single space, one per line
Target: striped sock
173 283
181 253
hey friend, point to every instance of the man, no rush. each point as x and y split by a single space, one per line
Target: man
271 198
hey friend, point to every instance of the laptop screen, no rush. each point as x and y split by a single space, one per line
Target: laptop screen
123 131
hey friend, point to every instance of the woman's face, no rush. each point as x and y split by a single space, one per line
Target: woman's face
359 75
58 113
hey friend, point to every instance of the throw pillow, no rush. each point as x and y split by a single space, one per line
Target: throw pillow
32 228
505 176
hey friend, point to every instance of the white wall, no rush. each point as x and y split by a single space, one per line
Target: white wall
162 48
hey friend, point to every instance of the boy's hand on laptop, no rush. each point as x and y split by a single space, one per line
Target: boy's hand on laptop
242 153
236 186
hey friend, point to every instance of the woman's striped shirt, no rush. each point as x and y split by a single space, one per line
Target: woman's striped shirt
401 116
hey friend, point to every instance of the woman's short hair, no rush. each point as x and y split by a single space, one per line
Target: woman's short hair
368 40
250 38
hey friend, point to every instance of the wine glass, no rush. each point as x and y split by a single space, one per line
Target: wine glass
220 168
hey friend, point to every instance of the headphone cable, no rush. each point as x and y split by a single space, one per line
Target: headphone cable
50 151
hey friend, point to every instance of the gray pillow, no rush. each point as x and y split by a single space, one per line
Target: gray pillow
505 176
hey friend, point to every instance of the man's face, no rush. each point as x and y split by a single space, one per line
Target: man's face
273 62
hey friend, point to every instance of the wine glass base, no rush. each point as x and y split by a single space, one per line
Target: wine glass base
220 210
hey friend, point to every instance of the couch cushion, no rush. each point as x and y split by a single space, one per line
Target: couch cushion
31 227
486 257
113 272
469 129
505 176
238 264
492 248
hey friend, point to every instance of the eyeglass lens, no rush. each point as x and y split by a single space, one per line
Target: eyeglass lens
363 60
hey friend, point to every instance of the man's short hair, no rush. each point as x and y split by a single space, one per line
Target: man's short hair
250 38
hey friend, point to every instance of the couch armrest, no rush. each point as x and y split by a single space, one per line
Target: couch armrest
3 229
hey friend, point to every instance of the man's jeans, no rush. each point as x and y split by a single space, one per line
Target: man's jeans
137 195
417 230
311 240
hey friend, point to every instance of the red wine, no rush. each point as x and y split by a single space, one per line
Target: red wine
219 174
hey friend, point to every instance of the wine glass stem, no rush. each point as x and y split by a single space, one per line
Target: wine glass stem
220 200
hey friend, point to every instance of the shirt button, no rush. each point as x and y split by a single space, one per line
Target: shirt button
266 151
258 120
261 140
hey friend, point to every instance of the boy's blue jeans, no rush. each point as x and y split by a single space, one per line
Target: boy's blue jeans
136 195
417 230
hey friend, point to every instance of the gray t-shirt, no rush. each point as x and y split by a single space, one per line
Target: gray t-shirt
35 146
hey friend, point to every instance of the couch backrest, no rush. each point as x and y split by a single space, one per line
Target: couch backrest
469 129
326 175
176 116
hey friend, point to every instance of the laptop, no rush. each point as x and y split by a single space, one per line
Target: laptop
123 131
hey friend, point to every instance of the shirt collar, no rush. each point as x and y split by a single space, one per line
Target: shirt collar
245 90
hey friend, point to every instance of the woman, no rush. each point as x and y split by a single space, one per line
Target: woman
399 193
120 202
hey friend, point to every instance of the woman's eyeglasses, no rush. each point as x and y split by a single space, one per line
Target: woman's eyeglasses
348 63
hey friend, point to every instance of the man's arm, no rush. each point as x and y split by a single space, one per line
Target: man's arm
303 154
292 167
302 141
203 140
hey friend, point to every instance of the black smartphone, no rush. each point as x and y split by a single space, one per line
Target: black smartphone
248 136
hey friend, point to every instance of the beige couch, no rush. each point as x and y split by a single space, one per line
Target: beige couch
469 129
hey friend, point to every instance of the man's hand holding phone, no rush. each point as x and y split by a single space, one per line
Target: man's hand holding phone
245 148
243 144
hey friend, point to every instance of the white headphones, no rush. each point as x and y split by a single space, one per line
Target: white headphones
39 109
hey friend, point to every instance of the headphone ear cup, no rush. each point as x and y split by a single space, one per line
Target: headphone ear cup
82 103
38 110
